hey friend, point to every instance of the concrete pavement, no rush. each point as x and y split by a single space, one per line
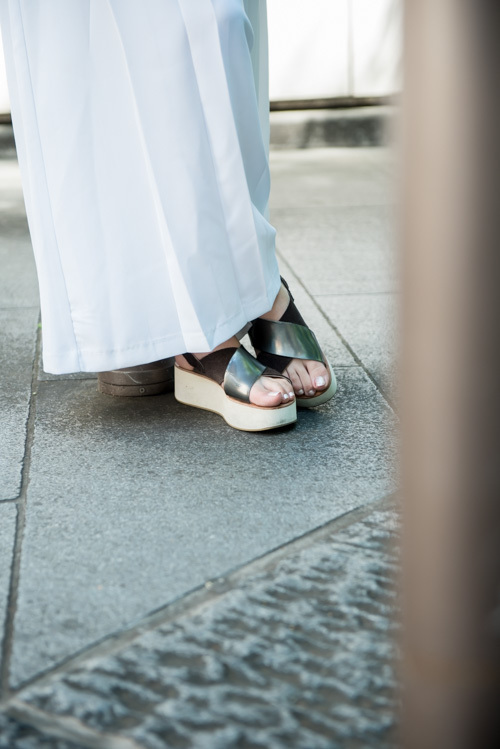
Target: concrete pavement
111 509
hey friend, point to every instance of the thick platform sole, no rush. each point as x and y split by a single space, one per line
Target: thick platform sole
154 378
318 400
196 390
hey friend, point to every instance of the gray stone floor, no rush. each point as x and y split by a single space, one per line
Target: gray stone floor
298 653
111 509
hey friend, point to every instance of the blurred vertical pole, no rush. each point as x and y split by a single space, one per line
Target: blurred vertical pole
450 383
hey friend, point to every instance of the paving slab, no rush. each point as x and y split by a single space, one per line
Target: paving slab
331 177
297 655
133 502
18 283
7 534
17 351
333 210
7 143
369 324
47 377
310 309
345 250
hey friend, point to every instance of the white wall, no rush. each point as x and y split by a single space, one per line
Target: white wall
329 48
376 47
4 95
308 48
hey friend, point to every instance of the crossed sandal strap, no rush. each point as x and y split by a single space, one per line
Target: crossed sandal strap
278 342
233 368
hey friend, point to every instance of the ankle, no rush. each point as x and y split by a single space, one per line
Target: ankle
280 305
230 343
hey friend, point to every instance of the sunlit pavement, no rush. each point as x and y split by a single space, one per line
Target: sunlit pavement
166 581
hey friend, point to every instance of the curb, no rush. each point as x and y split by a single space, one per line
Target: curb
7 143
316 128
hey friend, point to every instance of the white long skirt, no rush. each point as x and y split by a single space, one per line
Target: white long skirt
141 128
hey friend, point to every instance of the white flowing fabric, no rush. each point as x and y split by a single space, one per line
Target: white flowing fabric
141 128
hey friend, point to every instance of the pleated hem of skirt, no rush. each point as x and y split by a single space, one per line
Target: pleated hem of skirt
142 352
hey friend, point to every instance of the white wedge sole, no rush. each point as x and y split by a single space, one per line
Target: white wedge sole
194 389
317 400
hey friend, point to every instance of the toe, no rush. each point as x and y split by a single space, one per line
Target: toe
285 386
271 392
319 375
294 376
263 395
305 377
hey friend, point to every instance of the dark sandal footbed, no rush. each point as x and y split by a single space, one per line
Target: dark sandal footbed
214 365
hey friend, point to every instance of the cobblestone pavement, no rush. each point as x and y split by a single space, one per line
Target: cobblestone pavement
295 651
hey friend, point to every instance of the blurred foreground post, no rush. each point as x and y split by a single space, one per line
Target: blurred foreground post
451 374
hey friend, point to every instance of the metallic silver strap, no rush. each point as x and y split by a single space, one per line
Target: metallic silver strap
286 339
242 372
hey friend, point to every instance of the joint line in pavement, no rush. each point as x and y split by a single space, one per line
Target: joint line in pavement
8 636
344 341
199 598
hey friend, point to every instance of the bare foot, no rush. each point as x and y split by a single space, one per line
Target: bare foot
308 377
267 391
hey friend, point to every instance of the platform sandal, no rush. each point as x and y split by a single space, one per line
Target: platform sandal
278 342
221 382
154 378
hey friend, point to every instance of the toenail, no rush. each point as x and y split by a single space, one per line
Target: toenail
285 396
310 392
291 393
272 395
300 392
320 382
